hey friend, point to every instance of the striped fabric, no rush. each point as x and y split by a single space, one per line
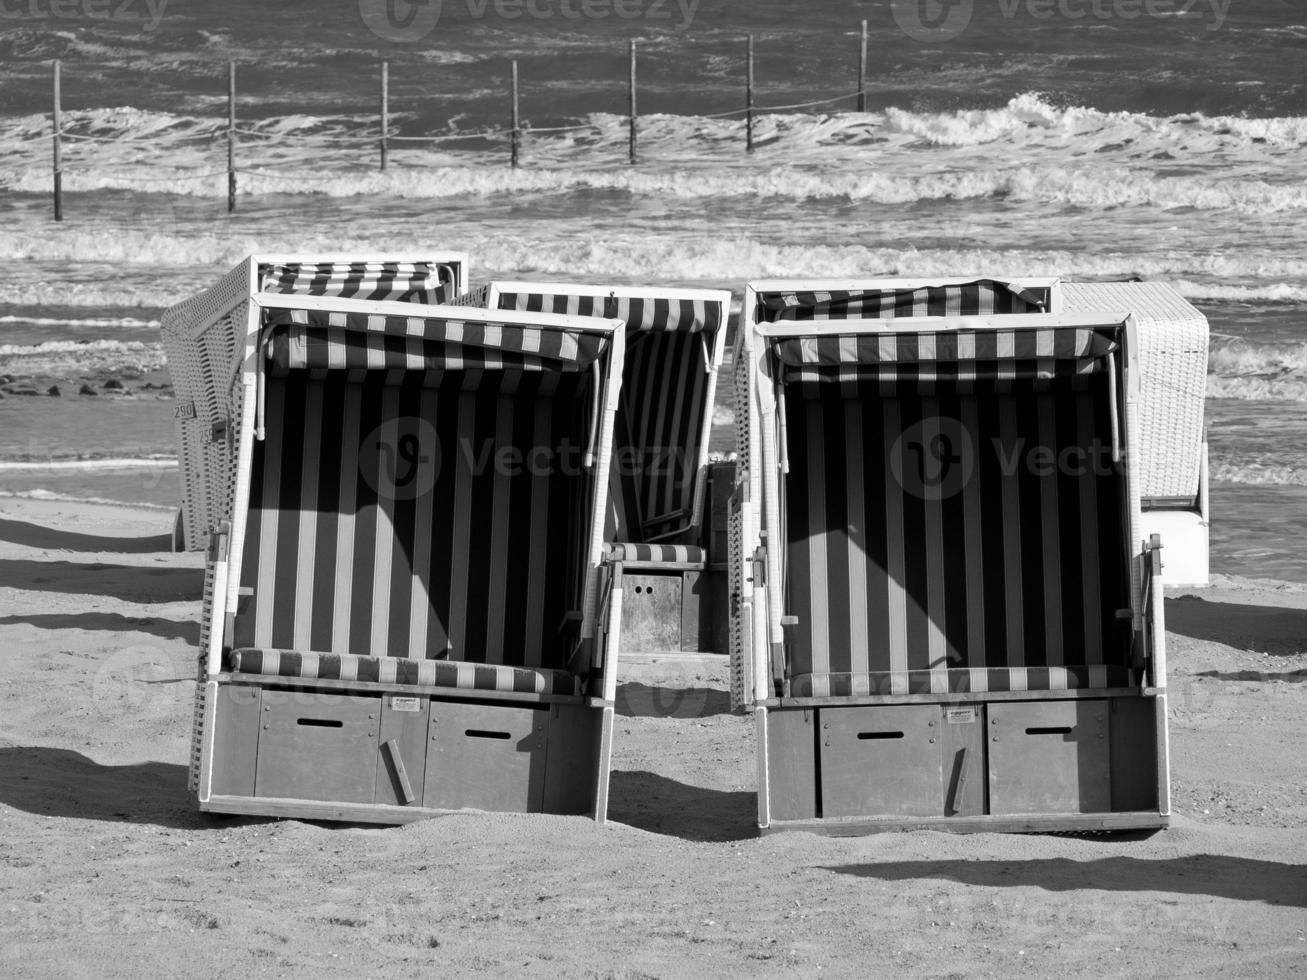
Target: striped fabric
657 315
977 298
979 357
336 340
403 520
396 670
930 535
413 282
683 553
980 680
664 399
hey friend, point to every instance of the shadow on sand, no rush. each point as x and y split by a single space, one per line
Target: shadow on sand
37 536
664 806
164 629
132 583
635 700
61 783
1263 629
1243 879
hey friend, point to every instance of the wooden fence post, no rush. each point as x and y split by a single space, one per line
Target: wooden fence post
385 109
231 137
748 99
517 129
633 110
58 148
862 71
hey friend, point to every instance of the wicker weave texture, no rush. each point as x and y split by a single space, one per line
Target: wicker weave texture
202 337
1173 346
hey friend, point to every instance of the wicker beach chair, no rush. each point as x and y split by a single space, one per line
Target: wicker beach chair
200 349
949 614
402 591
658 531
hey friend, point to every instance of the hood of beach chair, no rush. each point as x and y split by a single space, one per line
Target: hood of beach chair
675 341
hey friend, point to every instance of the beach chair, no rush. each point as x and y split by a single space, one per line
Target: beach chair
947 610
659 538
402 585
199 350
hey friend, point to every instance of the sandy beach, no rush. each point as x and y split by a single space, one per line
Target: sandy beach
109 871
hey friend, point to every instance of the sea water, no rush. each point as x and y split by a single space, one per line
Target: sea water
1083 138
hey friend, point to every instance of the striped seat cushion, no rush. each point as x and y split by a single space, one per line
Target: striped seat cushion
980 680
682 553
977 298
953 531
397 670
412 282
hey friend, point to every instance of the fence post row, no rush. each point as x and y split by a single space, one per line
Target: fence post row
748 98
633 100
58 149
231 137
384 140
385 109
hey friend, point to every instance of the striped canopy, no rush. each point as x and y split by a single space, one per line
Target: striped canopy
980 297
675 315
300 339
411 282
962 354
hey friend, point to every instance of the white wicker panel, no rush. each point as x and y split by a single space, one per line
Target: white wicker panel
200 337
741 542
1173 346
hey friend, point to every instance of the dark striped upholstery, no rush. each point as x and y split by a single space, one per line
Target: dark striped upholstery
976 298
404 520
412 282
664 401
907 572
397 670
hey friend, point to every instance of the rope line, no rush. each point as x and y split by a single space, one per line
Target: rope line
149 180
805 105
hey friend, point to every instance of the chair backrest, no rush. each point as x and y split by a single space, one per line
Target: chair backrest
953 530
421 498
675 340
